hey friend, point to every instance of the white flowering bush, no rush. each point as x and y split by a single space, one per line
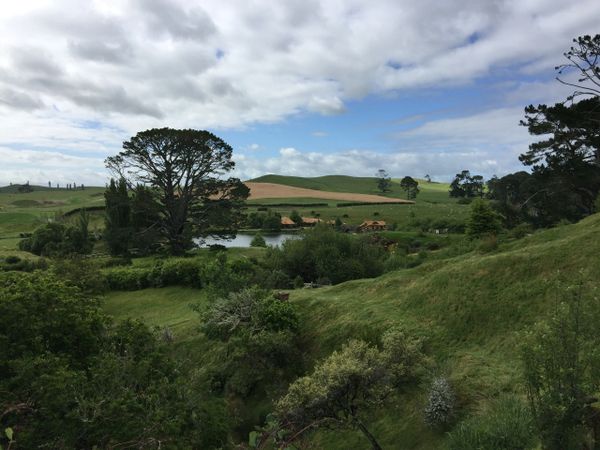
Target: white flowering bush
440 404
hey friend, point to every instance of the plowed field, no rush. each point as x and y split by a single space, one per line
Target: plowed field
272 190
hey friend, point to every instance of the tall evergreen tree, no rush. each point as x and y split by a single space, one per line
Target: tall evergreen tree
117 220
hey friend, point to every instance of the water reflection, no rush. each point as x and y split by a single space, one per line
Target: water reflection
243 240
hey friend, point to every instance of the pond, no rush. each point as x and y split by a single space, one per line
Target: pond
243 240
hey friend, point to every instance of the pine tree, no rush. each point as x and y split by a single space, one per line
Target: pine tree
117 220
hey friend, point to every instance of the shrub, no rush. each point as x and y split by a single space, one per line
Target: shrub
488 244
483 220
322 252
521 230
14 263
183 272
258 241
117 261
440 404
507 425
127 279
298 282
395 261
12 259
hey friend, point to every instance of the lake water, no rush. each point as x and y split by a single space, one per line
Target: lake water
243 240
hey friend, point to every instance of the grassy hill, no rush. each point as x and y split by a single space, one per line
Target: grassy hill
433 201
361 185
23 212
469 309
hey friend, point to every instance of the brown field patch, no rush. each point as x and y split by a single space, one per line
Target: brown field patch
273 190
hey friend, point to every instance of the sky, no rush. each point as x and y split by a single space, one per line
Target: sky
296 87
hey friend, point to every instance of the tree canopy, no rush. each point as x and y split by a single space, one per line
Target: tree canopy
185 169
384 181
410 186
465 185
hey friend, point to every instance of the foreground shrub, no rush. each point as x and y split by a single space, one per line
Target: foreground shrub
561 366
439 410
260 333
70 379
344 387
507 425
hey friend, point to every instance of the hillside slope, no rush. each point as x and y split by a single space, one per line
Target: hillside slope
469 309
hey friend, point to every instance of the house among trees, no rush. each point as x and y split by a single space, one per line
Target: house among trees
372 225
286 222
310 221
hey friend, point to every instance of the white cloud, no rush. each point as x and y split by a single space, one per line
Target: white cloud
128 65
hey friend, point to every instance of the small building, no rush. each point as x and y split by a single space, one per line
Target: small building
286 222
372 225
310 221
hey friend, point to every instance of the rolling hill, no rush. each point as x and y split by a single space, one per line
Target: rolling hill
469 309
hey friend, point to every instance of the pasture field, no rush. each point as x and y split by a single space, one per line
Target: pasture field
23 212
469 309
433 202
273 190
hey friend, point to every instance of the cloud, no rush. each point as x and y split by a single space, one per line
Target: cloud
135 64
20 166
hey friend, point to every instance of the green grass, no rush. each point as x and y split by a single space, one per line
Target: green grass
23 212
166 307
433 201
469 309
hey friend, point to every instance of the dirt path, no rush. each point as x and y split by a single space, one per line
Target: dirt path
272 190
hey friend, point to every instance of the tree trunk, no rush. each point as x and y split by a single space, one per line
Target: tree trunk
374 444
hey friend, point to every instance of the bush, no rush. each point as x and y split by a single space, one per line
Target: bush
127 279
258 241
483 220
324 253
58 239
117 261
182 272
14 263
12 259
521 230
298 282
440 404
488 244
507 425
395 261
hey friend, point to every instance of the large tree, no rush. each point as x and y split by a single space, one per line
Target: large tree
117 218
410 186
567 159
185 170
583 57
384 182
465 185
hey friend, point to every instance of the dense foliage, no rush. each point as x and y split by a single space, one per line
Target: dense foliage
60 239
70 380
349 383
324 255
184 168
561 363
466 186
260 333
